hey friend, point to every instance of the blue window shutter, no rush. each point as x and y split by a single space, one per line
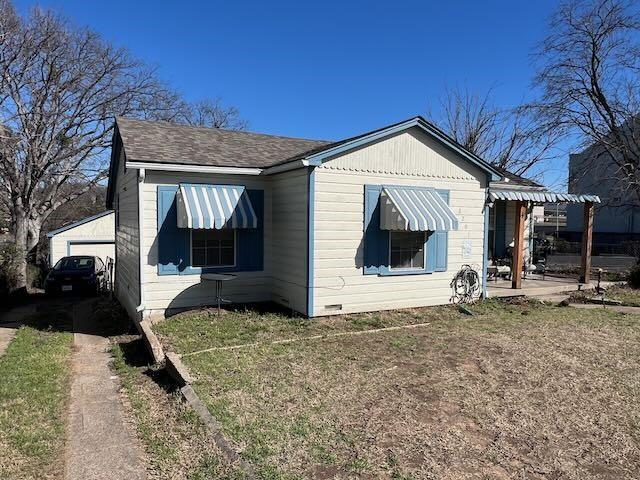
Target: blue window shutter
444 194
430 244
250 254
173 242
438 245
500 231
441 244
376 241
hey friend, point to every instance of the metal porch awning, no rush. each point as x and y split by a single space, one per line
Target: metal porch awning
214 207
415 209
540 196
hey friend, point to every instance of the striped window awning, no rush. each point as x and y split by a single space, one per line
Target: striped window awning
415 209
214 207
540 196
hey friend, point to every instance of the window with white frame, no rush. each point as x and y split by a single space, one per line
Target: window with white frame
213 248
406 250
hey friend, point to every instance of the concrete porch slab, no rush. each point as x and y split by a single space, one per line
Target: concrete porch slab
535 286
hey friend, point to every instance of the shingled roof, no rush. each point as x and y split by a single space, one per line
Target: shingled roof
163 142
509 179
157 142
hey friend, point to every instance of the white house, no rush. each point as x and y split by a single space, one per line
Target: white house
94 235
379 221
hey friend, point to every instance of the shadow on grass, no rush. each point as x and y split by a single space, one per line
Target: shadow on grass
135 355
104 316
258 308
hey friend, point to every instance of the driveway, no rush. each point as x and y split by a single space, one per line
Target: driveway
11 320
100 444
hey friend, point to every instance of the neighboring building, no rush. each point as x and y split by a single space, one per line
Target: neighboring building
550 218
93 235
618 217
379 221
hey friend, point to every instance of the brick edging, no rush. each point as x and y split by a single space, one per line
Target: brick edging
179 372
192 399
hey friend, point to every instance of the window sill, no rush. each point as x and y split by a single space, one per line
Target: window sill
396 273
199 271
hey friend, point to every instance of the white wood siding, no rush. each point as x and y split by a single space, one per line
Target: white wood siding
127 282
100 229
290 232
410 158
164 292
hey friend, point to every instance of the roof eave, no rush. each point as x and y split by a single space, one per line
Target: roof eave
515 186
78 223
116 146
195 168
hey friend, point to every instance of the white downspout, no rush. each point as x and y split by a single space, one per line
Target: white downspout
141 176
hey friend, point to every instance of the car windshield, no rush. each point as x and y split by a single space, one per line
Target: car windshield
74 263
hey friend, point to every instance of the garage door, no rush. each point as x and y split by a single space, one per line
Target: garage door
98 249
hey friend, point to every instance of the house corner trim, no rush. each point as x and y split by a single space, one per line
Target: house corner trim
310 240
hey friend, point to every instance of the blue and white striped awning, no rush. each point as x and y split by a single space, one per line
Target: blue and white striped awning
415 209
540 196
214 207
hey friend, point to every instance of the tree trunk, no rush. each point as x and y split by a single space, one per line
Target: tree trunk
21 236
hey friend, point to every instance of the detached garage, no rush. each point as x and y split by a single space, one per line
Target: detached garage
93 235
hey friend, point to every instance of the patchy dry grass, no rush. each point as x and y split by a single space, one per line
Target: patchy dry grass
34 386
622 293
176 443
194 331
517 391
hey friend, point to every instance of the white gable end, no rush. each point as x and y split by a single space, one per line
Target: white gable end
412 152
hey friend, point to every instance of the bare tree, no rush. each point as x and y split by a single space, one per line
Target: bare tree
511 139
588 75
211 113
470 119
60 87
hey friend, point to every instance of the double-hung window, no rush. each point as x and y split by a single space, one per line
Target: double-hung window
406 250
213 248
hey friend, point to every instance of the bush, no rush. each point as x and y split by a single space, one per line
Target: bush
634 277
9 255
35 276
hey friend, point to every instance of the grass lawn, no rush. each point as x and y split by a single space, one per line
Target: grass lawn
176 444
34 386
517 391
625 294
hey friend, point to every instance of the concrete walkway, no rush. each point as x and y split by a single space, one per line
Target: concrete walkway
6 335
100 445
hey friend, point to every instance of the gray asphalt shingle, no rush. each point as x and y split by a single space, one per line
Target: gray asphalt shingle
163 142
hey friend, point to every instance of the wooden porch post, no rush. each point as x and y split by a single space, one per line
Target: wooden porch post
587 240
518 247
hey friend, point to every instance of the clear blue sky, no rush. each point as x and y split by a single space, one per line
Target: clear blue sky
326 69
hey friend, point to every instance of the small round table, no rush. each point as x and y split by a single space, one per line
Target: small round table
219 278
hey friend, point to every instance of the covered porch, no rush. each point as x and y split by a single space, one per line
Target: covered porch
535 285
510 241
